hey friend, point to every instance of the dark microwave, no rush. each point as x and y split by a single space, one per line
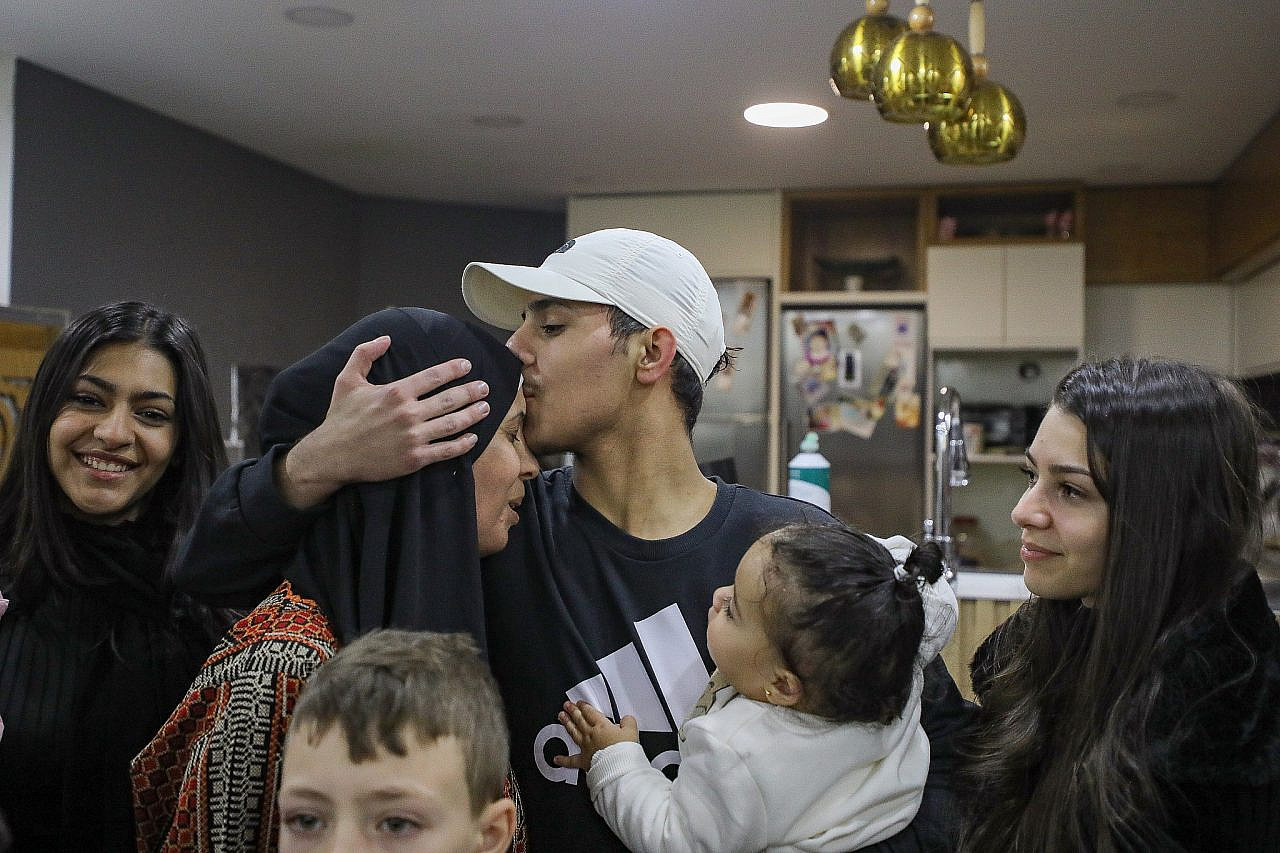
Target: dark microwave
1004 428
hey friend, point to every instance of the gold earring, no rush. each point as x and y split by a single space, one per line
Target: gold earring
767 694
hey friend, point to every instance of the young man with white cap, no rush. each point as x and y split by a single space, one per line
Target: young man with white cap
619 331
603 591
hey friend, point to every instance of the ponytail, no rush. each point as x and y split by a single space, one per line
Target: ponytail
851 621
923 564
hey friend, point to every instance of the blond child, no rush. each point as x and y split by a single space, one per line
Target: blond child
808 736
398 743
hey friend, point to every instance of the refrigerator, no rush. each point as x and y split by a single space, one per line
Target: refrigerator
731 437
855 374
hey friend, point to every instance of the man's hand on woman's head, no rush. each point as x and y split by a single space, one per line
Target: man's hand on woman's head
379 432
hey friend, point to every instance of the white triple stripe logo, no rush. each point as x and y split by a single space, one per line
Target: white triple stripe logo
624 687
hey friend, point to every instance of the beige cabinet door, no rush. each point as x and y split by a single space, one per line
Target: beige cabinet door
1257 317
966 296
1044 296
732 234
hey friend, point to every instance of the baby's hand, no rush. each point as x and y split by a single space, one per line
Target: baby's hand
592 731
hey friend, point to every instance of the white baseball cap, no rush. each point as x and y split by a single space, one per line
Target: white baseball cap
651 278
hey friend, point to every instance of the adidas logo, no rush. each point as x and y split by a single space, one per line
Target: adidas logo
657 683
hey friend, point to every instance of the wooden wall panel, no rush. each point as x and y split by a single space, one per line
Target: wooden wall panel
22 347
1151 234
1246 207
978 618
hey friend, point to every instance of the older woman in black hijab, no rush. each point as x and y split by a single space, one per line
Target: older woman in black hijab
403 553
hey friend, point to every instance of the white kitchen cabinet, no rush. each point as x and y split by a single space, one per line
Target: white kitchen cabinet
1006 297
1257 314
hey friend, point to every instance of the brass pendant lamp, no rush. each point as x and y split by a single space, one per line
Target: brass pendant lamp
993 127
923 76
858 49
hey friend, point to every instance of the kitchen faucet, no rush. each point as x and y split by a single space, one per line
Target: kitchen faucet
950 469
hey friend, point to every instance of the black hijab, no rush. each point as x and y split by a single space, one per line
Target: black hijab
400 553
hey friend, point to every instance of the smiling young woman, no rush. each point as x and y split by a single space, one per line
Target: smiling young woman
1134 703
114 451
113 438
1062 514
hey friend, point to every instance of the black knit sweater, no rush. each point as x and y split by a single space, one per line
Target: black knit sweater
87 675
1215 734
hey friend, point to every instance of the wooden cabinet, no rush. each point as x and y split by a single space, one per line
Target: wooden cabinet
1148 235
1006 297
25 335
978 618
854 240
1246 209
1007 213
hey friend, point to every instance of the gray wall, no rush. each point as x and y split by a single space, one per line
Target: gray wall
413 253
112 201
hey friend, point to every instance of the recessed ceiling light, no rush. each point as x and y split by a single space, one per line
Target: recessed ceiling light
319 16
785 115
497 121
1146 100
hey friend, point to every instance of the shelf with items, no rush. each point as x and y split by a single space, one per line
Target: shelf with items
876 240
1014 459
986 536
1003 396
845 299
1006 214
853 241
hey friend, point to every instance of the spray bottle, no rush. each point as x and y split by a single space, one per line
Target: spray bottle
809 474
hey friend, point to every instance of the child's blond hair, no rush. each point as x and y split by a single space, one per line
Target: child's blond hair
435 685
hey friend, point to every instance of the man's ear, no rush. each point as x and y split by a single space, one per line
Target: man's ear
497 826
659 350
786 689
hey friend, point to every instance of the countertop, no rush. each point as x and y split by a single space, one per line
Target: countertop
983 584
979 583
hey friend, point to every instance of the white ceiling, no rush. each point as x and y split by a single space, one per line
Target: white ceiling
647 95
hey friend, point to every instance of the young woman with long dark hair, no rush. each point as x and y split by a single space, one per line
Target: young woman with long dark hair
1134 702
113 454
